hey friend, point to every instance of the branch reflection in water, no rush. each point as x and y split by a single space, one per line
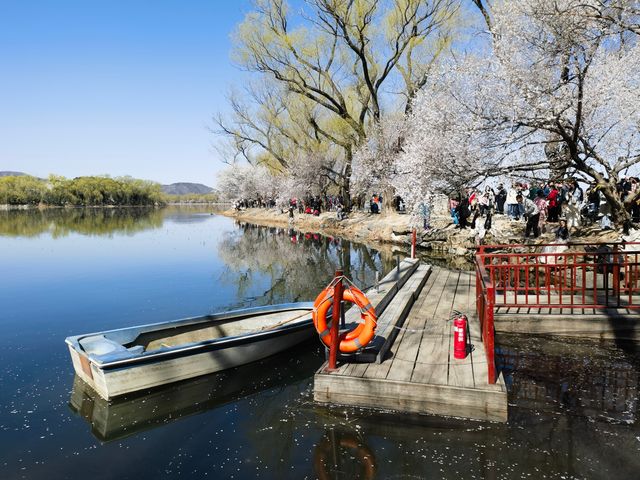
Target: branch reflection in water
298 265
572 376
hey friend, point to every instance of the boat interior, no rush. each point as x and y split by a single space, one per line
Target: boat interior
231 328
129 342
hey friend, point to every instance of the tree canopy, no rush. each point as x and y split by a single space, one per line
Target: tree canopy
557 92
331 71
80 191
543 88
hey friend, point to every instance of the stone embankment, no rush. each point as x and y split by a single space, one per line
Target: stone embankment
442 237
392 228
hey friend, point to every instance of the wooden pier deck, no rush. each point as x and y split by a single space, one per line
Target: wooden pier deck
618 324
419 373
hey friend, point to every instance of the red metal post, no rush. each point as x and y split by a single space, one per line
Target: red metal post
335 320
413 243
616 273
489 344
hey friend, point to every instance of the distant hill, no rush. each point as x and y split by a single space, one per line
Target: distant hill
12 174
185 188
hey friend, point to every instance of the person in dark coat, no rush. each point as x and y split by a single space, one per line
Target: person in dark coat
463 212
562 232
501 198
532 214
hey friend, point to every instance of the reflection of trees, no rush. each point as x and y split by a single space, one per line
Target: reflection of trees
298 265
86 221
577 376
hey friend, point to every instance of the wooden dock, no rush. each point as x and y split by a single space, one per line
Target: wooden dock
584 290
417 372
618 324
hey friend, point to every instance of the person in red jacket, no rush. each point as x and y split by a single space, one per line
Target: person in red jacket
553 199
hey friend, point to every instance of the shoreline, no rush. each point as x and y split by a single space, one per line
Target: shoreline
44 206
395 229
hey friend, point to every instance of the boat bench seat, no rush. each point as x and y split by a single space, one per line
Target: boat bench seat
104 349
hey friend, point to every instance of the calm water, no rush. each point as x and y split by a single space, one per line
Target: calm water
573 405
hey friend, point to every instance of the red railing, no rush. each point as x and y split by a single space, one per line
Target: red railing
485 300
554 276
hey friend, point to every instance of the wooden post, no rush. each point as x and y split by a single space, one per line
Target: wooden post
335 320
413 243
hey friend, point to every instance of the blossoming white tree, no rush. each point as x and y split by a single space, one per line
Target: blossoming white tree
247 182
374 162
560 76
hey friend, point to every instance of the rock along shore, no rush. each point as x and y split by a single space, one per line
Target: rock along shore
441 238
392 228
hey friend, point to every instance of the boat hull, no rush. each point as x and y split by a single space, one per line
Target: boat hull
172 365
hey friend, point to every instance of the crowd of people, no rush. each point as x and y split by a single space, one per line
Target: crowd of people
563 203
258 202
315 205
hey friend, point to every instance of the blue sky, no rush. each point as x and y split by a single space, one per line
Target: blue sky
91 87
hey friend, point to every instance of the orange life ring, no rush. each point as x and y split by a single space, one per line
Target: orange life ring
355 339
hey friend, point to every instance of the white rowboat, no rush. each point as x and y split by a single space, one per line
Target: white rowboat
116 362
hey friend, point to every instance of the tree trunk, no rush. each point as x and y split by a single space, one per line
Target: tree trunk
558 155
345 188
619 213
388 195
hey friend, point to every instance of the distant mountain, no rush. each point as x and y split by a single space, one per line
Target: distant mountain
12 174
185 188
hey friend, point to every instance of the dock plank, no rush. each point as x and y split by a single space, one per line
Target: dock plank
403 303
411 292
432 363
461 370
405 350
411 397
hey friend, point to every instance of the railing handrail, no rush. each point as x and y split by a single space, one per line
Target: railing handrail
485 300
482 248
581 279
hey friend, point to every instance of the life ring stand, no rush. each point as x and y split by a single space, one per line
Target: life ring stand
355 339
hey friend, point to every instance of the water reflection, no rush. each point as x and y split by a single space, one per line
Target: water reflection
581 378
343 454
60 222
532 445
573 405
132 414
298 265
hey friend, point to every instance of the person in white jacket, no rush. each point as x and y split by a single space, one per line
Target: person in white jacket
512 203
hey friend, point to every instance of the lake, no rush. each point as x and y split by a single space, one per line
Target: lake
573 404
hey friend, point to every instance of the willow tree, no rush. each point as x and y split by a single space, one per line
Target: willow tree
275 128
346 61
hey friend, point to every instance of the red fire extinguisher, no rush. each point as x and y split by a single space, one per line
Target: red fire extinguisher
460 336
